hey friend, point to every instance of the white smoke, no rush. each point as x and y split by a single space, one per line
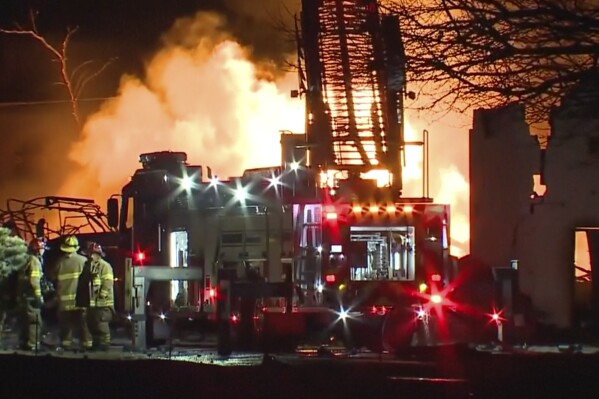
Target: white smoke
201 95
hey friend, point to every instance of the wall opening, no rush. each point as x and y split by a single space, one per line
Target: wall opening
539 188
586 267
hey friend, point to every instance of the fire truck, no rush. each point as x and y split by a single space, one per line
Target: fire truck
380 249
324 235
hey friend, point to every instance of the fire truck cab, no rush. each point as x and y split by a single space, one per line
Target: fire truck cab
317 228
170 216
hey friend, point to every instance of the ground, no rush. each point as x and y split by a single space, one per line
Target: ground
181 371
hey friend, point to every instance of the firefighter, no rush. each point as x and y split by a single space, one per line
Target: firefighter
29 299
101 305
71 307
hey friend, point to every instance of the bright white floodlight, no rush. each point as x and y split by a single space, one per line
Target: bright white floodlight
241 194
186 183
294 165
343 314
214 181
274 181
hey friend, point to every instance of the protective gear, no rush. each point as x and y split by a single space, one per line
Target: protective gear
73 320
70 245
94 248
68 269
29 303
36 245
101 302
71 317
98 320
102 294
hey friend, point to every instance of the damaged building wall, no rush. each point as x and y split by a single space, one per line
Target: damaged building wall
542 228
571 174
503 159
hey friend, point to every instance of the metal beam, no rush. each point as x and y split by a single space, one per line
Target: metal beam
141 277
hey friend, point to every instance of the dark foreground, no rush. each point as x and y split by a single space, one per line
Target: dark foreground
449 372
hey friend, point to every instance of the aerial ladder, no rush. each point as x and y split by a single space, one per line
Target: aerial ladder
352 74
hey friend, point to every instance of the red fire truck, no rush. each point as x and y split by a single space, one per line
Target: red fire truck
330 221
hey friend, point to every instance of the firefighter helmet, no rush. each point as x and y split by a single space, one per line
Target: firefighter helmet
94 248
36 244
70 244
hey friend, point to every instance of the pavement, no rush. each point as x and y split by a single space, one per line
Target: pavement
191 367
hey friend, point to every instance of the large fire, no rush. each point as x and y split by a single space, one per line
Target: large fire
204 96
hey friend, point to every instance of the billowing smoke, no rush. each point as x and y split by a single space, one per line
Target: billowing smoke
201 95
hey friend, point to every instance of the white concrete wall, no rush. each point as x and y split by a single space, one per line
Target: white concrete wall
546 241
503 159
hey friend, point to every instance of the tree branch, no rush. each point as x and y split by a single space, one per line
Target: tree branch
471 52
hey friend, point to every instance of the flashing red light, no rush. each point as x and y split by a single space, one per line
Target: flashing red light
234 318
140 256
373 310
436 277
436 299
212 292
496 316
330 278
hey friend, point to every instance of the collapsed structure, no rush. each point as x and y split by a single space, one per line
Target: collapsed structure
547 231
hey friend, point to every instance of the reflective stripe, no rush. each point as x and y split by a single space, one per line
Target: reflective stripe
35 273
103 281
68 276
67 296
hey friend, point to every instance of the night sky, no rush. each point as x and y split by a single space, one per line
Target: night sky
36 127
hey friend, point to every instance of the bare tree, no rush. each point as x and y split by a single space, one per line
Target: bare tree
465 54
72 81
